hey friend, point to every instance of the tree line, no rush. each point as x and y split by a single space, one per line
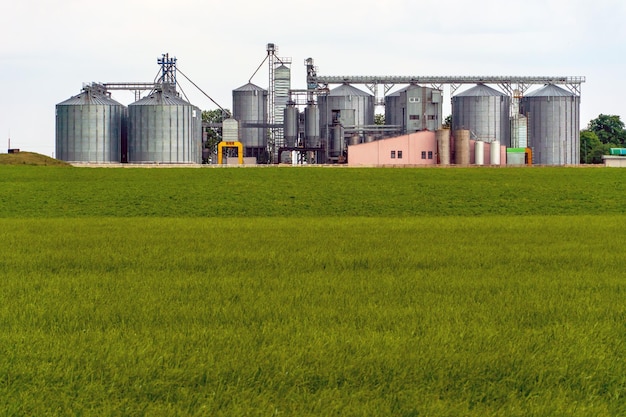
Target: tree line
602 133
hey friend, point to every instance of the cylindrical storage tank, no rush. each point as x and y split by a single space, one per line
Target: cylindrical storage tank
346 105
89 127
479 152
250 106
369 138
337 142
393 110
553 117
443 145
164 128
355 139
462 147
494 153
484 111
292 118
312 126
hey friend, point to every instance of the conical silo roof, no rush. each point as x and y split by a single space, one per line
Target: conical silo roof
550 90
347 90
89 97
249 87
480 90
168 98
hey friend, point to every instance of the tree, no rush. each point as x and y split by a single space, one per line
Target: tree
447 122
213 133
591 149
609 129
379 119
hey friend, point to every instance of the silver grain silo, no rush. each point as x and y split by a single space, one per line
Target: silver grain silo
89 127
393 111
250 106
348 106
414 108
164 128
485 112
553 116
312 126
291 119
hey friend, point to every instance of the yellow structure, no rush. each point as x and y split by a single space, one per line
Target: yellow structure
223 145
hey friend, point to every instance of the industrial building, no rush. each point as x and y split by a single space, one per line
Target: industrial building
497 120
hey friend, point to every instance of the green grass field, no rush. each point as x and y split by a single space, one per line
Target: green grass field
312 292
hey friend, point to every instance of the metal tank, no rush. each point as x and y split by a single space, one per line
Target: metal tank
291 124
553 116
89 127
462 147
250 106
312 126
347 106
164 128
494 153
479 152
484 111
443 145
414 108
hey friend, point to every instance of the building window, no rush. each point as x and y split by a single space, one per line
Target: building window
423 154
399 154
430 154
393 154
432 117
414 116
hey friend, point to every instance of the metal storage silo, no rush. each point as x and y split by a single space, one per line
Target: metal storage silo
250 106
164 128
291 119
393 111
443 145
414 108
484 111
553 116
89 127
345 105
462 147
312 126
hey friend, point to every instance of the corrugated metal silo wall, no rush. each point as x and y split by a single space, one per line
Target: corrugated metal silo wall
162 133
251 106
393 116
362 106
89 132
553 129
487 117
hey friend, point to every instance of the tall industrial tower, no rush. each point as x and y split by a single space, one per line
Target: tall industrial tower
278 95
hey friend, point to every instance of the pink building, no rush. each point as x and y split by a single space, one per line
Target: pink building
419 148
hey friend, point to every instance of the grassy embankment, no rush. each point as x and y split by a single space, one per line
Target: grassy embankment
312 292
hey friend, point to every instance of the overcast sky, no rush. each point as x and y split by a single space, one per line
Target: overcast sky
50 48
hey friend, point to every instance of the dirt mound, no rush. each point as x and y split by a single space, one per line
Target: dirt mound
29 158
